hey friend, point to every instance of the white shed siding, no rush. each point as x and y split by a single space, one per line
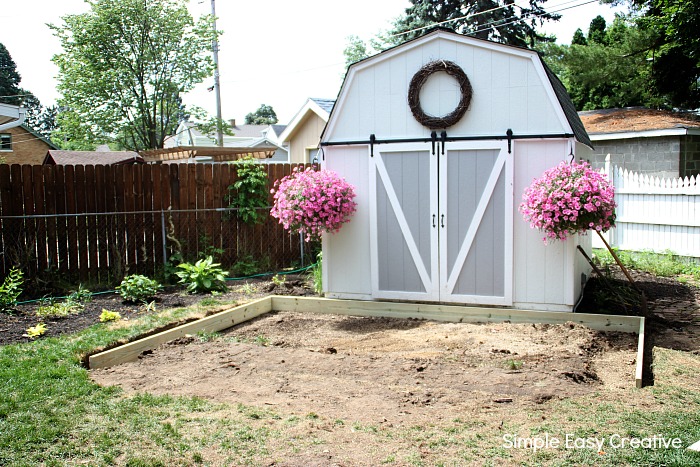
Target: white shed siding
543 274
509 92
346 260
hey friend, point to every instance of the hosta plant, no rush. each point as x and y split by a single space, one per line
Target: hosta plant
569 199
203 276
107 315
137 288
313 202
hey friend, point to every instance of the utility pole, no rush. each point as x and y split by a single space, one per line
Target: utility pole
217 86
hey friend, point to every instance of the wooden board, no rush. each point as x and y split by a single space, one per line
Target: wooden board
453 313
449 313
213 323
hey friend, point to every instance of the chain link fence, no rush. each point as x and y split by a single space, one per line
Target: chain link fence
102 248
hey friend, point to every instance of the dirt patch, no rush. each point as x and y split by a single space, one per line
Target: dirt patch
383 370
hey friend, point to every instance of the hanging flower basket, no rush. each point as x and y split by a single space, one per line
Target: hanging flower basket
569 199
312 202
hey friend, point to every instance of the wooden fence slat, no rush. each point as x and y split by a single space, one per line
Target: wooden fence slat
71 223
81 221
148 266
37 193
5 210
182 218
192 215
159 178
91 207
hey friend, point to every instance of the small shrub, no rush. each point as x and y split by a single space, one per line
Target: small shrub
248 194
36 331
137 288
203 276
317 274
59 309
278 280
107 315
514 365
148 307
11 289
82 295
245 266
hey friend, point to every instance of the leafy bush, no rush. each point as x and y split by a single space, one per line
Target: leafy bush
317 274
107 315
249 193
137 288
50 309
11 289
203 276
82 295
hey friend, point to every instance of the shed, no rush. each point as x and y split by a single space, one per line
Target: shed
437 217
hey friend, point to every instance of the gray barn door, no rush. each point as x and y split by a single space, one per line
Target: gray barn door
404 239
441 225
476 241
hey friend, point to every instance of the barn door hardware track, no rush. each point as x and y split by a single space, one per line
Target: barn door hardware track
444 138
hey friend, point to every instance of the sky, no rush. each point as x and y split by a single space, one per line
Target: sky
279 54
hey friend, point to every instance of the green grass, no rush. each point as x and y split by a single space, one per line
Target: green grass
52 414
661 264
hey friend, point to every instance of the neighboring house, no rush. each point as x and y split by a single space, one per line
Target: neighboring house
652 142
22 145
254 137
303 134
57 157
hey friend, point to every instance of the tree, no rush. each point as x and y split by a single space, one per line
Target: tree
610 70
596 30
39 118
124 67
676 49
265 115
579 38
9 78
495 20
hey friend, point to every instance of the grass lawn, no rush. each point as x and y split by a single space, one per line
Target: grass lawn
51 413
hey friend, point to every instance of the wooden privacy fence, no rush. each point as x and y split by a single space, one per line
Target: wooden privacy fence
99 223
654 214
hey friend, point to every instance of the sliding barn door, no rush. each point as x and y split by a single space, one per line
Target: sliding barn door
404 229
442 225
476 239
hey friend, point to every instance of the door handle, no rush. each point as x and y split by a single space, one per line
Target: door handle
442 221
433 220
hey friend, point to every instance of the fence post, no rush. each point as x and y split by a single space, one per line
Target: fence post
610 236
301 245
165 239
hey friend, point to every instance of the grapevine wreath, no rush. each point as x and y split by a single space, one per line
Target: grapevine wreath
419 79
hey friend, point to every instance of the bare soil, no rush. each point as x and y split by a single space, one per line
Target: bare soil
380 370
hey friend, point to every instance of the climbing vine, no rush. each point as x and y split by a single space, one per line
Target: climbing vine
248 194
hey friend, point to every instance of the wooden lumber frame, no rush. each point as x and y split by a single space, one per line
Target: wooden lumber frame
434 312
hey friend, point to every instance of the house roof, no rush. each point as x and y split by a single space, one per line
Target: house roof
636 119
217 154
240 131
320 107
58 157
38 136
567 106
325 104
278 129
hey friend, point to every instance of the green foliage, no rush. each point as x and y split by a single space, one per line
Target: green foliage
496 20
610 70
137 288
107 316
203 276
11 289
249 193
514 365
9 79
278 280
82 295
60 309
124 67
265 115
317 274
245 266
36 331
665 264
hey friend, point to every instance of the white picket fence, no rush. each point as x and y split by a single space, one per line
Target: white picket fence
654 214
